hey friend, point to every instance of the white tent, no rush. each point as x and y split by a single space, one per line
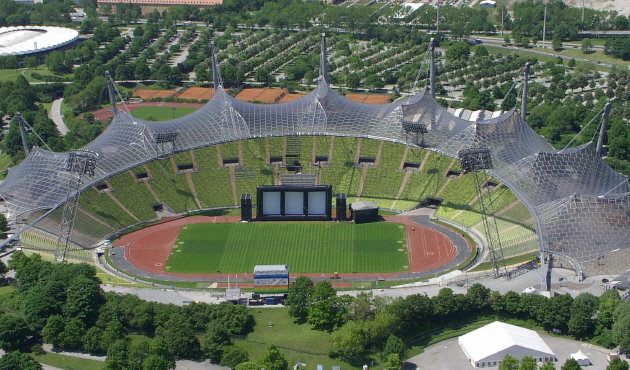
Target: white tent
581 358
488 345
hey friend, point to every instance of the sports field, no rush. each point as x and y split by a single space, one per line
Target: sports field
161 113
306 247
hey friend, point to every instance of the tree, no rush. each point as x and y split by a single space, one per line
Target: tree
73 333
263 75
117 355
374 81
18 360
213 342
548 365
621 326
556 43
348 342
353 80
608 302
323 313
478 297
393 362
457 51
394 345
583 308
247 365
273 359
232 356
527 363
587 45
179 336
155 362
481 51
508 363
13 332
92 340
571 364
137 354
572 63
298 298
53 331
617 364
83 300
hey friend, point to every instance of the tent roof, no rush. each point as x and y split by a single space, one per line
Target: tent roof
499 336
579 355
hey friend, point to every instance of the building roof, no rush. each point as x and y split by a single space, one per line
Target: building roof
266 269
363 205
499 336
164 2
22 40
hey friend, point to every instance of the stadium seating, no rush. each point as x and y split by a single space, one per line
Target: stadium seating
382 183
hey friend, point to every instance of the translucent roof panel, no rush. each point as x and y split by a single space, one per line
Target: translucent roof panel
549 182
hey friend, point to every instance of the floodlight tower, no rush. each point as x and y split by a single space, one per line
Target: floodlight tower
432 67
475 160
164 137
111 91
602 130
22 123
524 95
80 162
416 129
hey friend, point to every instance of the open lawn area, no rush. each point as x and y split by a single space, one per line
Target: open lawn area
67 362
161 113
306 247
298 343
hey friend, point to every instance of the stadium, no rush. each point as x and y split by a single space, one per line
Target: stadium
26 40
566 203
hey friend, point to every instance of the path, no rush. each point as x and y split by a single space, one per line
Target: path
55 116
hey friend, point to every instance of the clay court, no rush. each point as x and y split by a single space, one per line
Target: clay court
146 94
148 249
197 93
369 98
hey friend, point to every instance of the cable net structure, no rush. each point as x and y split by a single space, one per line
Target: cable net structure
580 205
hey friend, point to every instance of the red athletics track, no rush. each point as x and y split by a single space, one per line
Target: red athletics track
149 248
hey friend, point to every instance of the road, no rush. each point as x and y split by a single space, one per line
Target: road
497 43
55 115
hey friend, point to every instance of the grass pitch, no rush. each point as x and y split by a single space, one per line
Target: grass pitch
161 113
307 247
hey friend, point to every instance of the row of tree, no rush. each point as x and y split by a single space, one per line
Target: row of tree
63 304
364 325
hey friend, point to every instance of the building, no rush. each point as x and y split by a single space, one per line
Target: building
364 212
488 345
147 6
488 4
27 40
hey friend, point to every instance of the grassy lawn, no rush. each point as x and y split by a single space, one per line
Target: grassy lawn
5 161
306 247
298 343
541 58
9 74
67 362
161 113
597 56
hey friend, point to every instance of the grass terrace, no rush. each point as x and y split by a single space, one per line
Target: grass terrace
457 194
134 195
342 173
254 172
429 181
211 181
170 188
103 207
383 182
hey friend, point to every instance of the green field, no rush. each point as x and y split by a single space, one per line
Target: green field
161 113
317 247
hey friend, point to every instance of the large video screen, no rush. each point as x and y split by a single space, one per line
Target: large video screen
317 203
294 203
271 203
287 202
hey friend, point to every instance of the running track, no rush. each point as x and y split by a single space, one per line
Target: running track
431 249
